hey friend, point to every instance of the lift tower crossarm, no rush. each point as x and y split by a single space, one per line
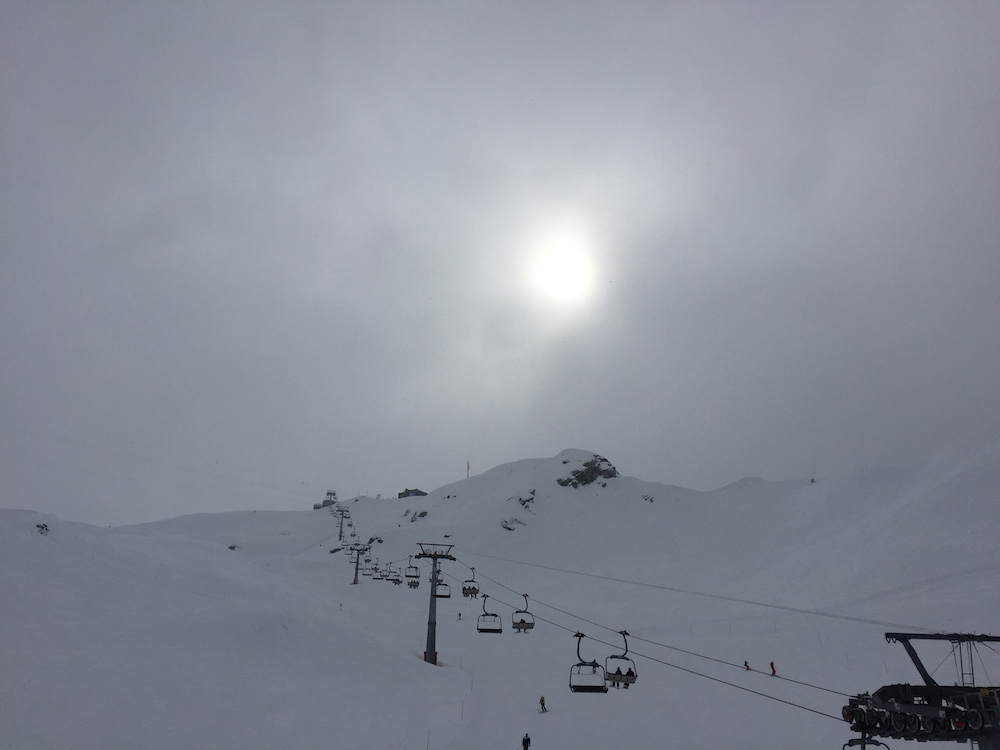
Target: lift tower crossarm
905 639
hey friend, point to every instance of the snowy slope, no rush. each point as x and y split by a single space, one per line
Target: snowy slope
160 636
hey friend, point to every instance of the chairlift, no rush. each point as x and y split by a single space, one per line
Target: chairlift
620 669
441 589
586 676
470 588
523 620
412 575
489 622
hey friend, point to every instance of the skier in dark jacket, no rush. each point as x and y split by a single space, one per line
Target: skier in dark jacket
526 742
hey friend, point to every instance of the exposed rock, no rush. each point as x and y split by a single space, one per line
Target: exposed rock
596 468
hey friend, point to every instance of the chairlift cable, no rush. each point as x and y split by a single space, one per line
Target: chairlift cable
989 680
732 684
722 597
651 642
947 656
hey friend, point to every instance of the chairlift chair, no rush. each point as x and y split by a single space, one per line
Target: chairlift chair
489 622
586 676
441 590
470 588
412 575
619 668
392 576
376 572
522 619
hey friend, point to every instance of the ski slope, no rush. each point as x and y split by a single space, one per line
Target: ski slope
161 636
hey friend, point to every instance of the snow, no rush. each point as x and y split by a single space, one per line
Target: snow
160 636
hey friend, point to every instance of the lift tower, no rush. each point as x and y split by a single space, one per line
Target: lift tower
435 552
357 550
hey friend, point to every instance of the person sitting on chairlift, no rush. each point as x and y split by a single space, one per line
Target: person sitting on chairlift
629 677
616 678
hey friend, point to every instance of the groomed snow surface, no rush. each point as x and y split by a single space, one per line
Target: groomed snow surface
160 636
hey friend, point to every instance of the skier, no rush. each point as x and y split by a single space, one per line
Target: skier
459 615
773 673
629 677
541 704
616 678
526 742
746 666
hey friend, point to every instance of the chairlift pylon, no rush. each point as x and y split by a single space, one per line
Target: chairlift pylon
488 621
470 588
586 676
522 619
620 669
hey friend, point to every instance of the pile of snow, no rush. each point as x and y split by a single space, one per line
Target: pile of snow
242 630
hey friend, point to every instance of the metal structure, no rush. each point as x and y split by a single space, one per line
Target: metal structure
357 550
488 621
393 576
470 588
522 619
930 712
338 511
441 589
620 669
435 552
586 676
412 575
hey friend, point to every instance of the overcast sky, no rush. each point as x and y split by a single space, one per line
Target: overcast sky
253 252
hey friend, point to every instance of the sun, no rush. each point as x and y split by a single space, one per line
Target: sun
561 267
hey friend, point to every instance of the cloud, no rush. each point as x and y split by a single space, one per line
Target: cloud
290 242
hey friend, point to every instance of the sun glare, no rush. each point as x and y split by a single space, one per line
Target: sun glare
561 267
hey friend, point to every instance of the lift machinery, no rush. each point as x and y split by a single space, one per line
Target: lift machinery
929 712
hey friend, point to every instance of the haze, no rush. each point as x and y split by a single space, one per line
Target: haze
253 252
